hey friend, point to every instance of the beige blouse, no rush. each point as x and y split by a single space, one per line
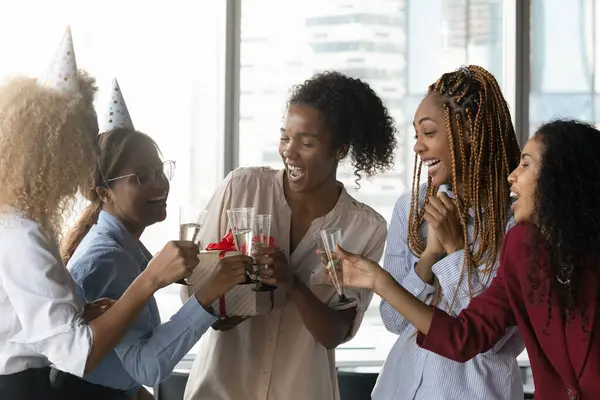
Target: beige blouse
274 356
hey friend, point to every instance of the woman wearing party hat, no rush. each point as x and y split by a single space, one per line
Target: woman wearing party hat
48 147
104 254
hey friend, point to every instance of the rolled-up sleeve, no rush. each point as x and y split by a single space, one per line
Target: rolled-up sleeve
44 298
148 352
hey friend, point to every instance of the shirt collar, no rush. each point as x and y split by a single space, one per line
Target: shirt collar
343 201
117 230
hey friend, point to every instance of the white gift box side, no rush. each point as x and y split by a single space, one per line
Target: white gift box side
241 300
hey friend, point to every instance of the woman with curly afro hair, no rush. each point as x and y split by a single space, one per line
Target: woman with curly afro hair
289 352
48 147
548 283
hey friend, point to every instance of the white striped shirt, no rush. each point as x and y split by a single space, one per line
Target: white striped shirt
410 372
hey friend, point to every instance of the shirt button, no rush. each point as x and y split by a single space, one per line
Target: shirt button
265 372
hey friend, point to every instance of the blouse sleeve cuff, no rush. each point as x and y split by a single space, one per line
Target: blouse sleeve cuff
449 268
200 319
416 286
72 353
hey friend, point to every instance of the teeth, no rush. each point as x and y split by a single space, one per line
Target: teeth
295 172
159 198
431 163
513 194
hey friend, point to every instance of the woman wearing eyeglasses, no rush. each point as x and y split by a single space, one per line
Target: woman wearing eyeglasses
104 254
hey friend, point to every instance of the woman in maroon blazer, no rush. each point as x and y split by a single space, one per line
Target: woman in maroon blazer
548 279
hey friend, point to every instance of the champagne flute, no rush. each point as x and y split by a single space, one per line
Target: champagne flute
262 235
331 238
241 223
190 225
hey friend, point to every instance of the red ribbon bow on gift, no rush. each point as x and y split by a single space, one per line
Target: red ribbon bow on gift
227 243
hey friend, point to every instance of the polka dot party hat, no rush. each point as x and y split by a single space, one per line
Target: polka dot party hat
117 115
62 72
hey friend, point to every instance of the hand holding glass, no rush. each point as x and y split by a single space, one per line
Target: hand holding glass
190 224
241 223
330 239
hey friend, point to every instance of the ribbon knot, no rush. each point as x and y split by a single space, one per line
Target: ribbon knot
227 243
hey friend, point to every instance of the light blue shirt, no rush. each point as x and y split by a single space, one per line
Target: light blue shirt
106 262
411 373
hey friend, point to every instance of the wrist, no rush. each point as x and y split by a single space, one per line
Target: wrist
454 247
205 299
433 255
423 267
149 282
382 281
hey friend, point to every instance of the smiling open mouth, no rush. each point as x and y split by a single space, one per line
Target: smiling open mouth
431 163
514 197
295 172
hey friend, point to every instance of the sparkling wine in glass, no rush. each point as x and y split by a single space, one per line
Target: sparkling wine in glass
262 235
241 223
190 224
243 241
331 239
190 231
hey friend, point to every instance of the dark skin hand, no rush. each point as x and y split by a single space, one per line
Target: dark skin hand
329 327
360 272
226 324
96 308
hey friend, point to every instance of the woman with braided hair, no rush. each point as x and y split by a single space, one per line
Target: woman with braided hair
445 235
548 281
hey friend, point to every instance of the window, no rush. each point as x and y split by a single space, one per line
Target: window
399 65
171 79
564 61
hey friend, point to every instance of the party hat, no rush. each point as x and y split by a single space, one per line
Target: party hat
62 72
117 115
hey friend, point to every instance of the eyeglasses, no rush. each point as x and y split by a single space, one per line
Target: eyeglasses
146 176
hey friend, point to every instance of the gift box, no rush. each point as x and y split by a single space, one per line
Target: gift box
240 300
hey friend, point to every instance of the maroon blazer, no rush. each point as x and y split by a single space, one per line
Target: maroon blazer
565 360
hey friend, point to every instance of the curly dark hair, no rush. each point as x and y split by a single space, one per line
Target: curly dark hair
567 202
356 117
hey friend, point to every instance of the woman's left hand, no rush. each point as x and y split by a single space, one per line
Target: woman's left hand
274 268
358 271
442 216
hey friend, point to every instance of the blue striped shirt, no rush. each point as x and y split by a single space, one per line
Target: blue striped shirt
410 372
